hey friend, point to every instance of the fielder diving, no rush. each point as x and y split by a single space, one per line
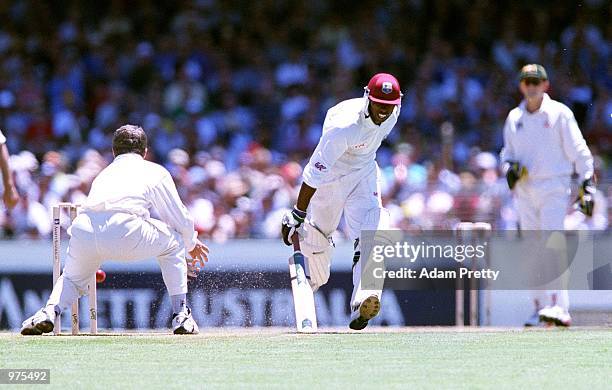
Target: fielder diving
342 177
115 223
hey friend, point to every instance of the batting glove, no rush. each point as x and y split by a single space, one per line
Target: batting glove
514 172
585 201
291 222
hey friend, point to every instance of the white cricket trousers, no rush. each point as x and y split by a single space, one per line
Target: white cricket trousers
99 236
542 205
357 195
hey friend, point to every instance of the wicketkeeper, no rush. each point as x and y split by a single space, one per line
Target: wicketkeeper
115 224
542 147
342 177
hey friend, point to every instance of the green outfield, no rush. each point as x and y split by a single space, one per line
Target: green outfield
401 358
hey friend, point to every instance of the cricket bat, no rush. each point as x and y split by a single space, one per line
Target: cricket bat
303 298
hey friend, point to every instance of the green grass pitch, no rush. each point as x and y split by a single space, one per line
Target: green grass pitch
277 358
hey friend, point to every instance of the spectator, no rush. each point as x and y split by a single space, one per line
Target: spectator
244 98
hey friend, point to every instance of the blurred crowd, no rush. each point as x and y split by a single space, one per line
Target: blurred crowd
233 94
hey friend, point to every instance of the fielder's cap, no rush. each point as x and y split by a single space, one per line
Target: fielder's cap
384 88
533 71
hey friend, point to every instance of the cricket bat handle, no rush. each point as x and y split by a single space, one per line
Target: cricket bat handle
295 239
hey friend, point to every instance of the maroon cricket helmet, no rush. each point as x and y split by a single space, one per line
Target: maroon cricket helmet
384 88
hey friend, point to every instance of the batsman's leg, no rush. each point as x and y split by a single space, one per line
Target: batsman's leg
318 250
364 212
324 214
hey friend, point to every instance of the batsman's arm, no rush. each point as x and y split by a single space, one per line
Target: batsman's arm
292 220
331 146
333 143
306 193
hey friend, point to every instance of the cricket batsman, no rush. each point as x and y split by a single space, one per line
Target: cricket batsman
115 223
342 177
542 147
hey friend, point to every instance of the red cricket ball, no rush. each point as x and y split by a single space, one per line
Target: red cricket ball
100 276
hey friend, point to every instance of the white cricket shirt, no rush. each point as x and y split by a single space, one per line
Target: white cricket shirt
133 185
547 142
349 142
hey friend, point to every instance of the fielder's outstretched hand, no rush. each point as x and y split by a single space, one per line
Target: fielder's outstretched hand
199 256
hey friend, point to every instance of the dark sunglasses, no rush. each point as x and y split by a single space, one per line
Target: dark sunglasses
532 81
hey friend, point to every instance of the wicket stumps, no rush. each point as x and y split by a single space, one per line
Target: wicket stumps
473 233
57 266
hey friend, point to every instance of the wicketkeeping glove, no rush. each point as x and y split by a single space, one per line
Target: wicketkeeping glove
585 201
514 172
292 221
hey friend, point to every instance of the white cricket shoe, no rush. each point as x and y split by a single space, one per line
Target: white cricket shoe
555 315
367 310
183 323
41 322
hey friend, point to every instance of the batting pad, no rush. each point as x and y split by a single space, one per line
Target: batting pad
318 250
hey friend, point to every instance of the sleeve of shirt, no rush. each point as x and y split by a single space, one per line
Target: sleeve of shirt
171 210
2 138
507 152
331 146
575 146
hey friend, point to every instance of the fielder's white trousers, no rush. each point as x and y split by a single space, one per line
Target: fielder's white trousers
357 195
100 236
542 205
